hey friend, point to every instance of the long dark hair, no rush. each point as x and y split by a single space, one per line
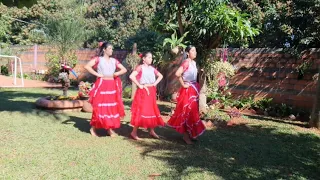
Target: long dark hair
144 54
104 45
188 48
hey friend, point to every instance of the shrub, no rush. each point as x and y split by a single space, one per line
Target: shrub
126 93
216 114
4 70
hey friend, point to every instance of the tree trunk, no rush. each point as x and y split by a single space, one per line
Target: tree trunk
180 18
203 79
65 89
315 115
203 93
16 3
134 86
65 92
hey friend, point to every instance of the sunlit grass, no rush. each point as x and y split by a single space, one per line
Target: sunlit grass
37 144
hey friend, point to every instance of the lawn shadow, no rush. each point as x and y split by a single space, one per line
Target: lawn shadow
82 124
127 104
238 152
19 100
166 109
266 118
165 133
24 102
9 102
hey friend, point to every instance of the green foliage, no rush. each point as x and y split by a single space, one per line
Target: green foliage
174 41
216 114
66 34
4 70
244 103
148 40
4 25
60 98
20 25
226 100
117 21
213 69
221 98
224 21
132 60
264 104
303 68
126 93
293 25
208 23
267 106
53 64
6 49
19 4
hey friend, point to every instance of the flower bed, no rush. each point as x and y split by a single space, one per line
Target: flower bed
60 104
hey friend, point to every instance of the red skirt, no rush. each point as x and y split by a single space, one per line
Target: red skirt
144 110
186 115
107 104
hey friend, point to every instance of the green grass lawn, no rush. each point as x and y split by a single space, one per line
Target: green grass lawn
37 144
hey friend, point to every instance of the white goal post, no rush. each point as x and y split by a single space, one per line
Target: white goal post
16 59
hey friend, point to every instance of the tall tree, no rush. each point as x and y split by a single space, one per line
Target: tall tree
21 23
66 33
209 23
19 3
116 21
290 24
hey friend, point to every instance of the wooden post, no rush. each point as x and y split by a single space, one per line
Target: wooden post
315 115
134 49
134 86
35 57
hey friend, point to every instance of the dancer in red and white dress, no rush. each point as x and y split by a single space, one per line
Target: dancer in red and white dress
144 110
106 93
186 119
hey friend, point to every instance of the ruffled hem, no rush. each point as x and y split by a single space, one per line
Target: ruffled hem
186 115
145 112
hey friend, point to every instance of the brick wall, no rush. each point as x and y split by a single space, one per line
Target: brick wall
260 72
272 73
33 58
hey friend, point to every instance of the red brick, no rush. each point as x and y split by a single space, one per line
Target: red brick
272 65
305 104
292 75
286 86
299 87
280 65
282 75
302 82
293 81
308 77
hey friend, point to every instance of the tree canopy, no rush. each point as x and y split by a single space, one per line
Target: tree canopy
280 23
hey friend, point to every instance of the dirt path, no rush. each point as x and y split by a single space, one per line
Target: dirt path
6 81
